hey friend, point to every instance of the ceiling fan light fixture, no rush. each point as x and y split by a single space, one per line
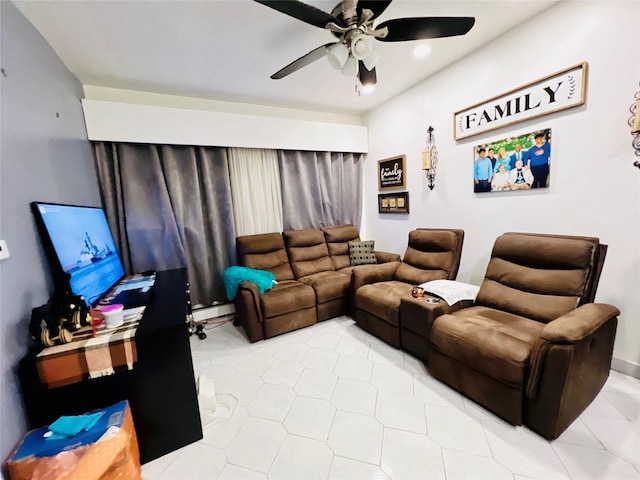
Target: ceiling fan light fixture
337 55
372 59
350 68
361 46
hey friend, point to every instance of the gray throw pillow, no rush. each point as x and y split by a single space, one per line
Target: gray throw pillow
361 253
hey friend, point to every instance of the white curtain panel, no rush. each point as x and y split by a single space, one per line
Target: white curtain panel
255 190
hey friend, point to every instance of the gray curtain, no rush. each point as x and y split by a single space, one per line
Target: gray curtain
170 207
320 188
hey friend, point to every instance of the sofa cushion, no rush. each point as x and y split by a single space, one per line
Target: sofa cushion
308 252
286 297
328 285
432 249
361 252
431 254
346 270
495 343
382 299
542 286
409 274
337 238
265 251
428 260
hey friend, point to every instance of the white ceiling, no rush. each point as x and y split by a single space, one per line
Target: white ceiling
226 50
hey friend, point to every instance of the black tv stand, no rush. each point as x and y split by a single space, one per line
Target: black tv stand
161 387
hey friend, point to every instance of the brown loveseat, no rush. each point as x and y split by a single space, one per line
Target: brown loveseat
313 272
534 348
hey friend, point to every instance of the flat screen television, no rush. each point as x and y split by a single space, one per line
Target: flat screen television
80 247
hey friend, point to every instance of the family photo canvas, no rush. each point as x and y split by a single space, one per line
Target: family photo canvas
520 162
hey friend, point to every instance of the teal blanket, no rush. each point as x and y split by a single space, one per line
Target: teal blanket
234 276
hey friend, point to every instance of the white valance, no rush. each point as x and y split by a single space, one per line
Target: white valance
130 122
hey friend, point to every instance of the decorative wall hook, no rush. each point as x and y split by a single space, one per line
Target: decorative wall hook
430 159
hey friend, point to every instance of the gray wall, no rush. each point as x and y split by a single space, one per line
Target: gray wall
44 155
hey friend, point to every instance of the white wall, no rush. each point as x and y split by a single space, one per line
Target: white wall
595 189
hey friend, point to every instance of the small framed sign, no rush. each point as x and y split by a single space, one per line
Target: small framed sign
391 173
393 202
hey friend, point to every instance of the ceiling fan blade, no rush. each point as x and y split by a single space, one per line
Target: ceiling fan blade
303 61
301 11
419 28
366 77
376 6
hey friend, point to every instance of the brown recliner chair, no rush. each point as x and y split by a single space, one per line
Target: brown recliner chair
533 349
311 265
289 305
432 254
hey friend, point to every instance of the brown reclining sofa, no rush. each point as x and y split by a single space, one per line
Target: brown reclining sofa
313 271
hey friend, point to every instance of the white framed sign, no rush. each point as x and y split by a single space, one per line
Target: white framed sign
555 92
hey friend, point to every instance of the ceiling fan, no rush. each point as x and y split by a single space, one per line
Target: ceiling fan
352 22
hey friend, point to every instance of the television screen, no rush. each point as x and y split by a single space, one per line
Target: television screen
81 245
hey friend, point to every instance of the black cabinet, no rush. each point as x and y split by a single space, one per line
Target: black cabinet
161 388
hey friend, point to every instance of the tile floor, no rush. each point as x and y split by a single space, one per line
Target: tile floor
332 402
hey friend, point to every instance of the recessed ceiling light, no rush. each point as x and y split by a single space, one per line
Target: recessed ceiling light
422 50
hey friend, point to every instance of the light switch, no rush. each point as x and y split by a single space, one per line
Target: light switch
4 250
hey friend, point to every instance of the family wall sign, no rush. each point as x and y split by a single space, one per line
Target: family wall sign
391 173
555 92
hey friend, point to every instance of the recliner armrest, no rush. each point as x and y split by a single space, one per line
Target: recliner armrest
386 257
365 274
247 303
579 323
570 328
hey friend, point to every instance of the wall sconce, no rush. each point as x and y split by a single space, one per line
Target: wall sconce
430 159
634 123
